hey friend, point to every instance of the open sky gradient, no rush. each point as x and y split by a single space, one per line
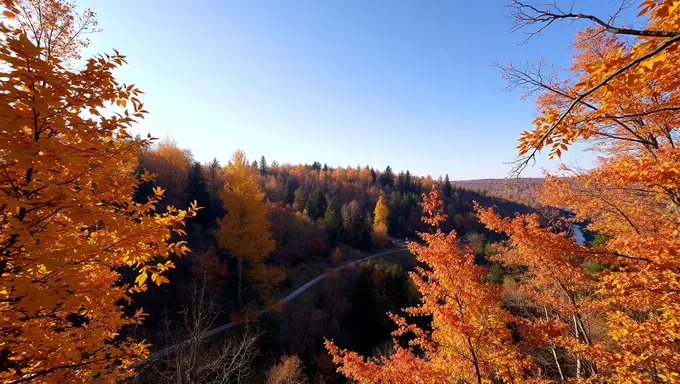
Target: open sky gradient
345 82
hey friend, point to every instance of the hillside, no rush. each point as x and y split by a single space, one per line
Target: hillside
521 190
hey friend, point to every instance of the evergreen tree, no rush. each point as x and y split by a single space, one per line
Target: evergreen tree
400 209
197 190
333 221
316 204
446 188
263 166
214 165
352 222
300 199
254 164
325 167
387 177
288 196
407 180
374 176
402 186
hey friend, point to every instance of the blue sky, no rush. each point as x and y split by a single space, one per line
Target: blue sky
346 82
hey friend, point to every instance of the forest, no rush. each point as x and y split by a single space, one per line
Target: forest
125 259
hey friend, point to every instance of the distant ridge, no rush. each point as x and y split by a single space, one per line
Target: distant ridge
520 190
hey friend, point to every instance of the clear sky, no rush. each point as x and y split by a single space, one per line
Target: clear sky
345 82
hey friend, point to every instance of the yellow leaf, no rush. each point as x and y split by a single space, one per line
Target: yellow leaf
141 279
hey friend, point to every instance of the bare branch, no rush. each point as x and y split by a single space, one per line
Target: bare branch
526 14
522 163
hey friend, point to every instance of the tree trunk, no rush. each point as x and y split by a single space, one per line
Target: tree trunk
478 374
552 347
239 296
578 356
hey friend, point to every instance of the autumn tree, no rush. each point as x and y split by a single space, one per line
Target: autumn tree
244 229
560 289
380 220
469 341
68 218
54 27
620 97
427 184
288 371
171 165
366 177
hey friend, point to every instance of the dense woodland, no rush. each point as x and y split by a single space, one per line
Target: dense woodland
319 217
519 189
121 257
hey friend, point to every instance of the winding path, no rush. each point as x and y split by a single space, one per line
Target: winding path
166 351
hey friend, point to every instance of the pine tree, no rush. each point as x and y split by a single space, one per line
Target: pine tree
214 165
387 177
446 187
352 222
196 190
333 221
300 199
401 182
408 181
263 166
316 204
288 196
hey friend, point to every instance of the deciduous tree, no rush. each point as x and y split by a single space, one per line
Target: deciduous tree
621 97
68 218
171 165
469 341
381 215
244 229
